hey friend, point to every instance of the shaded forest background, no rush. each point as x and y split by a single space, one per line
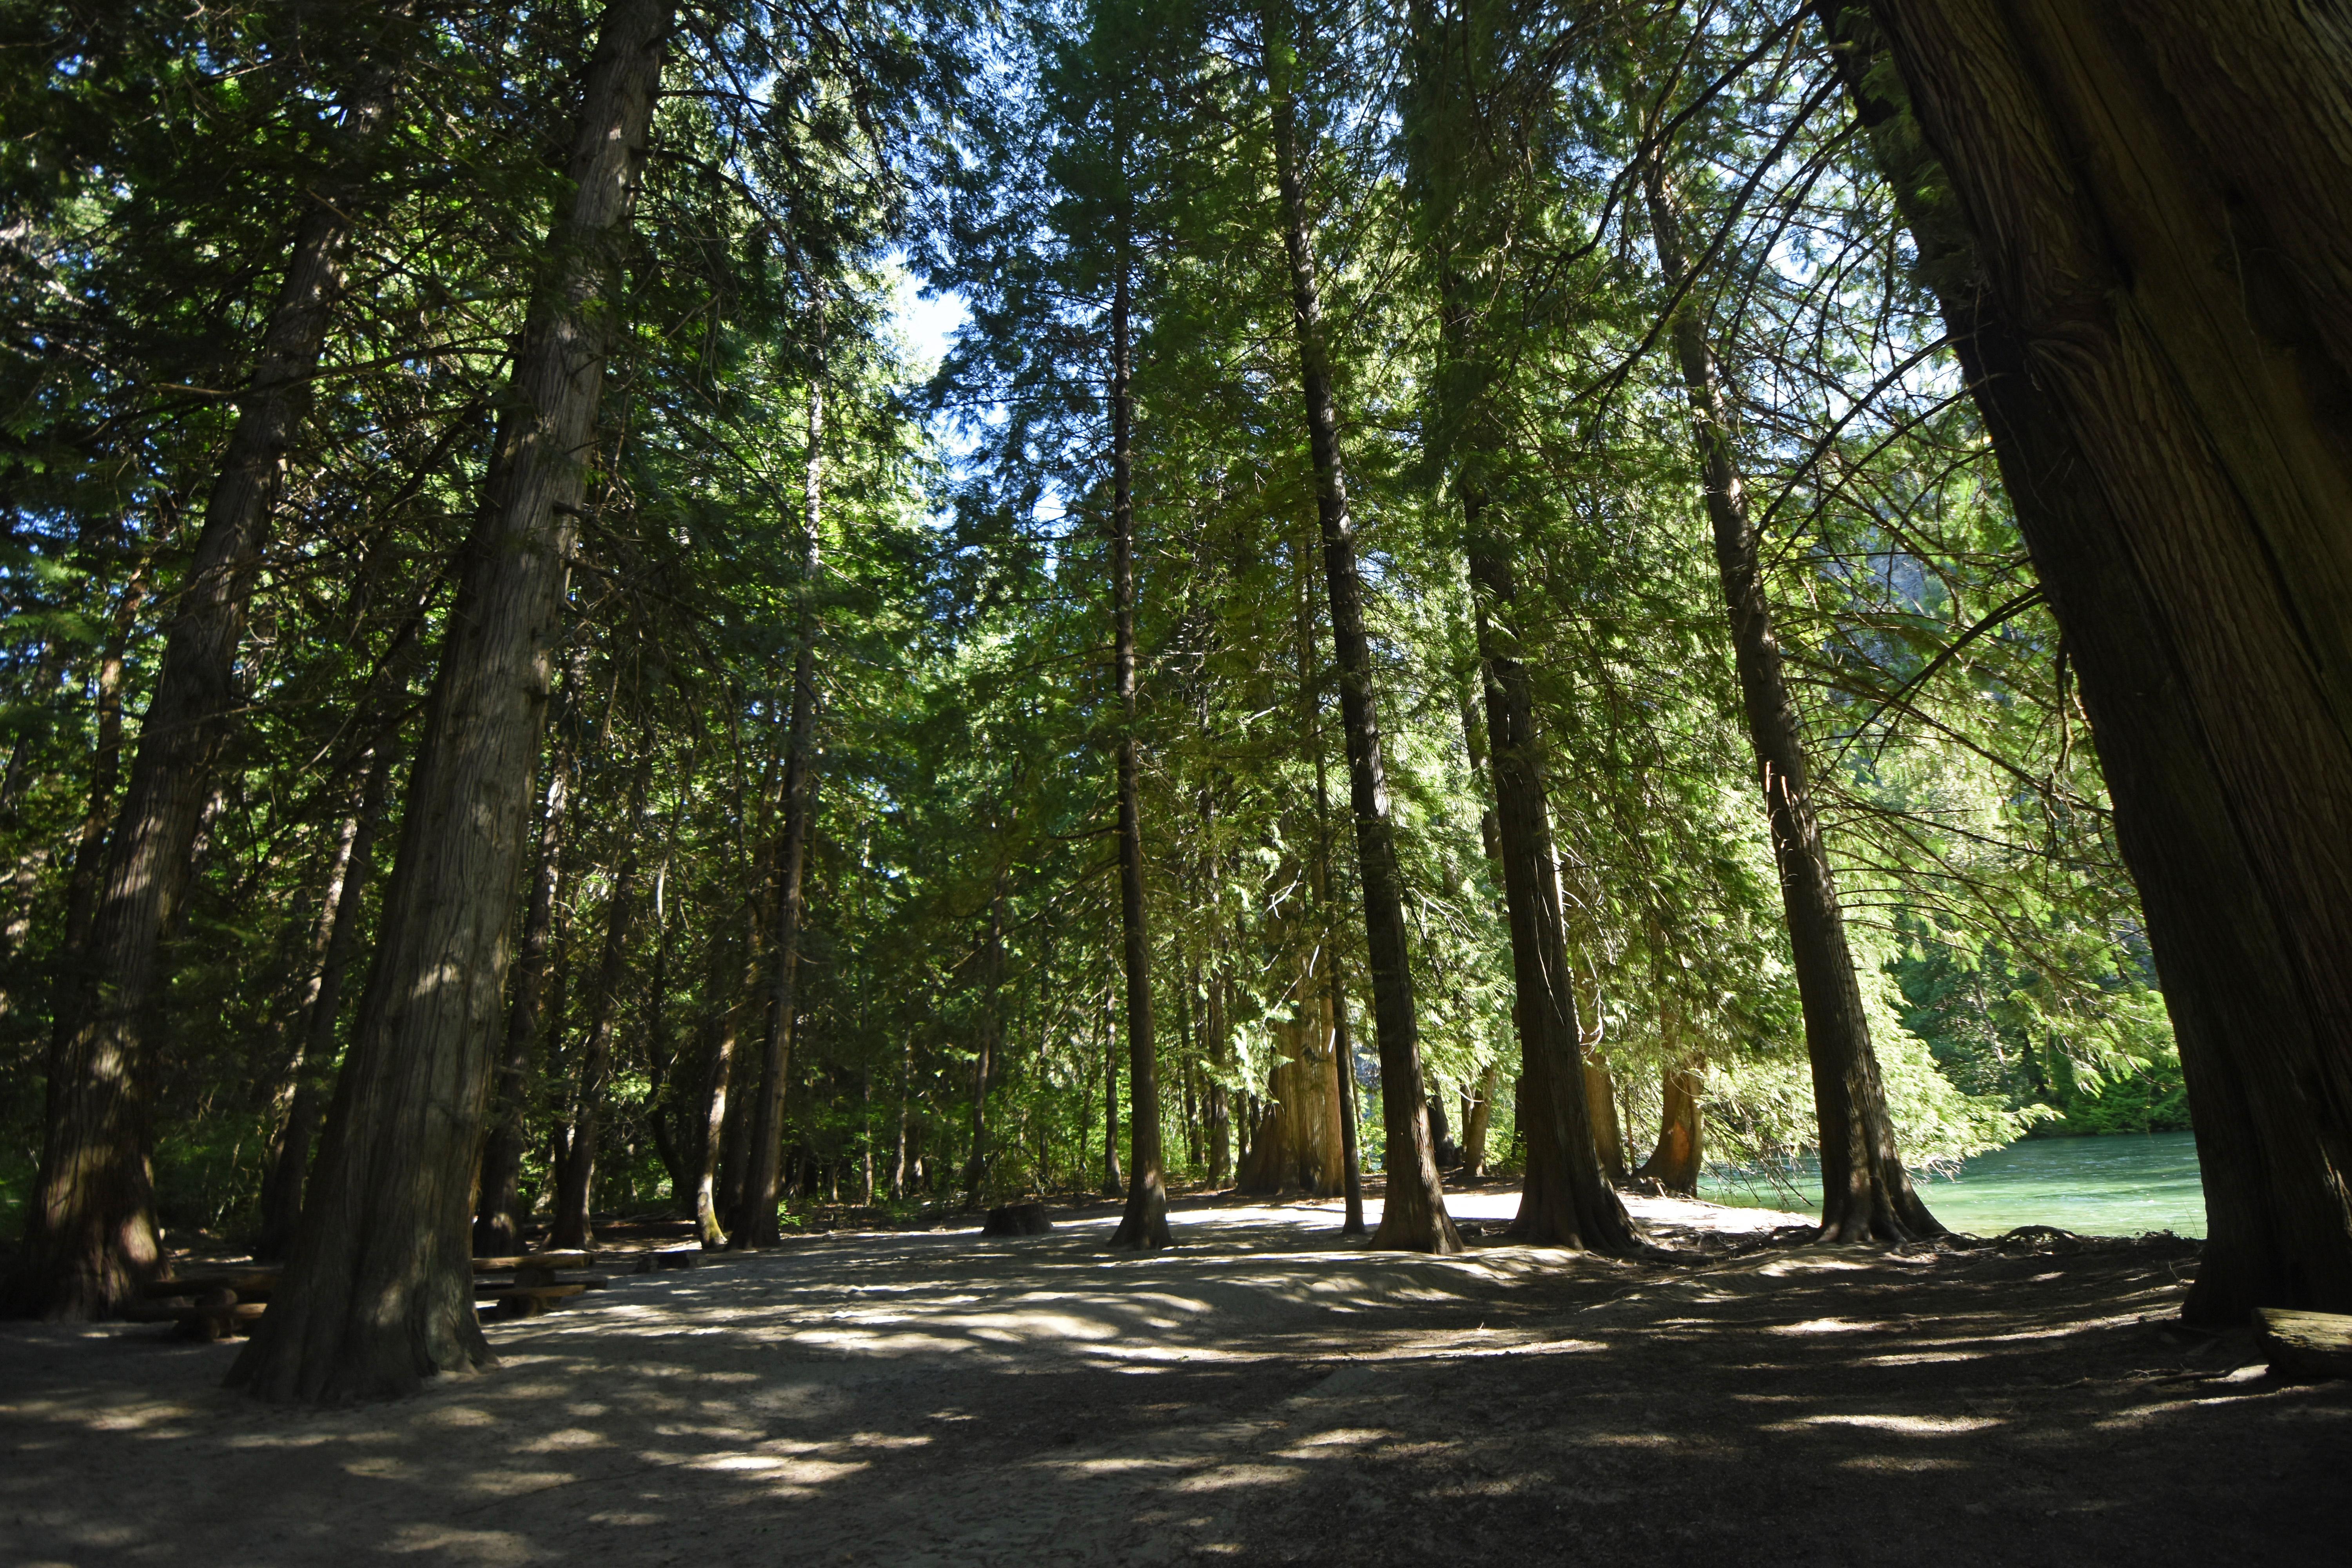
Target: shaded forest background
957 1029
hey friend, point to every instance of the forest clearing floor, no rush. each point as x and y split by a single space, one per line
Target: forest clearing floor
1259 1394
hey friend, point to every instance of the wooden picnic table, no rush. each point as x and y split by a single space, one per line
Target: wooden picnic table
213 1303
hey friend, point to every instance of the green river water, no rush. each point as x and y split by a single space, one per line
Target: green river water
2120 1184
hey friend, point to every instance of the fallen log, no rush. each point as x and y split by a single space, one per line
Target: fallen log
2307 1344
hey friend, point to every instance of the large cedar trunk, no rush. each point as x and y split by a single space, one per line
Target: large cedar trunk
290 1155
1412 1215
2138 247
1298 1142
90 1238
379 1293
1866 1194
1674 1164
1144 1224
755 1221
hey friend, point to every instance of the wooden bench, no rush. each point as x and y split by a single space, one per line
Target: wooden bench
215 1315
224 1302
214 1303
532 1286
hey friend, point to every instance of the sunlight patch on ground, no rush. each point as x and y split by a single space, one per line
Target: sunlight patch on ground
1902 1425
1833 1326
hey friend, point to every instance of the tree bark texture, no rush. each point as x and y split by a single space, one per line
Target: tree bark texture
2139 248
1299 1142
89 1237
755 1223
346 896
379 1293
1673 1164
1866 1195
1413 1216
1144 1224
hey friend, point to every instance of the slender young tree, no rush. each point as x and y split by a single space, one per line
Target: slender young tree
498 1224
1866 1194
1144 1224
322 1003
755 1222
572 1226
378 1294
1412 1213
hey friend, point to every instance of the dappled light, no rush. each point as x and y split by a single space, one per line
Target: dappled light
1260 1391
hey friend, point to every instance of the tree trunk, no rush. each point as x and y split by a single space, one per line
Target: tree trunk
1144 1224
1221 1063
1608 1132
905 1093
89 1238
1478 1117
498 1220
2137 248
289 1157
1565 1197
379 1293
1866 1195
1414 1216
755 1223
572 1227
1673 1164
718 1068
1113 1184
105 774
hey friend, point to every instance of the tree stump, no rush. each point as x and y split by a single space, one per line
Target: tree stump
1017 1219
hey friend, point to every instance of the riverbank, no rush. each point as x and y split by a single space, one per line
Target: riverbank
2117 1184
1260 1395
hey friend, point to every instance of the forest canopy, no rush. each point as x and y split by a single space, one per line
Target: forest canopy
1447 599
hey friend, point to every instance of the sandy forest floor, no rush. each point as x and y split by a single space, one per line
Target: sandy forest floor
1260 1396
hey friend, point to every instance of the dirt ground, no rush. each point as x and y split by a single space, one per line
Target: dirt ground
1261 1396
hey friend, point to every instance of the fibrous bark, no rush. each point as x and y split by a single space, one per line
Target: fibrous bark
1413 1216
379 1293
1674 1164
2135 219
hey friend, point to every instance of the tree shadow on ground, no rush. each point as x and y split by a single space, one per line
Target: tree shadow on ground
1260 1395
